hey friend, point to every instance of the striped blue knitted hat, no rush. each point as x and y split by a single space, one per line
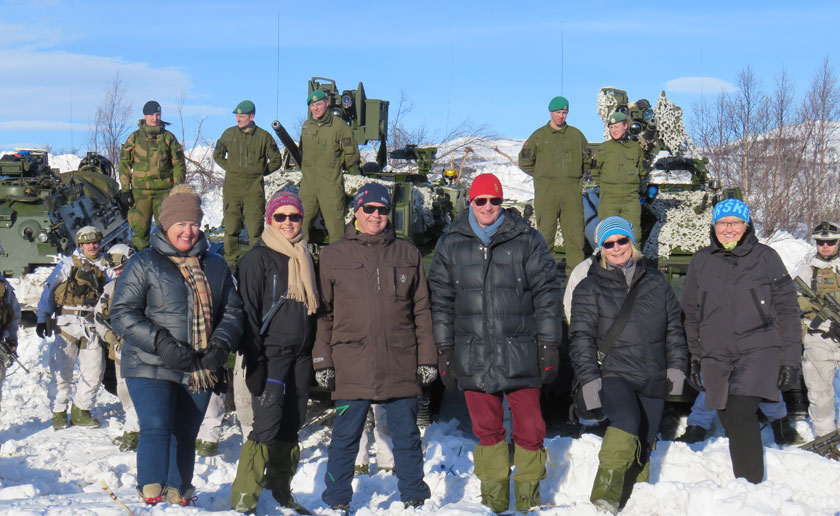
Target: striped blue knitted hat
614 225
731 208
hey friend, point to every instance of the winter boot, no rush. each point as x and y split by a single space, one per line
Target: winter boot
81 417
206 448
492 467
250 474
174 497
618 452
530 469
59 420
784 432
127 441
283 460
644 462
151 494
693 434
361 469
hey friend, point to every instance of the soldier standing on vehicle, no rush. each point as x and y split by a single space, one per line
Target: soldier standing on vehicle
70 292
328 147
247 153
9 321
555 155
151 162
619 172
821 357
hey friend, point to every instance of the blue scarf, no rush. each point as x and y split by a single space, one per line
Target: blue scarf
485 234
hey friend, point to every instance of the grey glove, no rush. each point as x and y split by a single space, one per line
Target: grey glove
592 394
676 379
326 378
426 374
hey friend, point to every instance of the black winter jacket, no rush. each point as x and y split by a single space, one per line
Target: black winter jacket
495 303
151 295
263 278
741 319
652 340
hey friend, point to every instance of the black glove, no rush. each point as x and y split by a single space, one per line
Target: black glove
694 376
215 356
549 355
41 329
446 367
126 198
173 354
788 377
256 373
326 378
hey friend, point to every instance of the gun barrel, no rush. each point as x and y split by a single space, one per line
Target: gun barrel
650 130
288 142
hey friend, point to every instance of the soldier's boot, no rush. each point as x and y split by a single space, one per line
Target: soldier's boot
361 469
283 460
530 469
492 467
206 448
59 420
151 494
174 497
618 452
127 441
250 474
784 432
693 434
81 417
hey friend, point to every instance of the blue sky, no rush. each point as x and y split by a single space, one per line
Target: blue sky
492 63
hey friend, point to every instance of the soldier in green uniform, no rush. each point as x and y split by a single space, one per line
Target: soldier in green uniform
328 148
248 153
619 171
151 162
555 155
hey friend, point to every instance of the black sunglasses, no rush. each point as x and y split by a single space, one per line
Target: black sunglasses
294 217
369 209
820 241
620 241
481 201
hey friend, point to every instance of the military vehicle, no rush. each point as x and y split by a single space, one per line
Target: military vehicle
41 209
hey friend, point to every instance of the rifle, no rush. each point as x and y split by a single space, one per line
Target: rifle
825 445
8 355
828 308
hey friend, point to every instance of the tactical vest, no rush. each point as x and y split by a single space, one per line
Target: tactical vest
6 314
824 281
82 287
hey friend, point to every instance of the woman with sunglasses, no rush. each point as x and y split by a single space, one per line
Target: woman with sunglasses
742 325
628 351
280 296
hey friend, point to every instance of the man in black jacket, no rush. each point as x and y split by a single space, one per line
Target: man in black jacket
497 315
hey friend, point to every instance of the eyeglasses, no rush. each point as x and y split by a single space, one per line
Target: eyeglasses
369 209
826 242
481 201
281 217
729 225
620 241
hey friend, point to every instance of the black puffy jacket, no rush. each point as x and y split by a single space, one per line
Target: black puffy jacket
495 303
151 295
652 341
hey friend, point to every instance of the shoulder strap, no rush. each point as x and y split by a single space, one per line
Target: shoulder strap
620 321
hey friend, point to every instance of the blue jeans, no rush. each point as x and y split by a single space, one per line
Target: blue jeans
170 416
349 423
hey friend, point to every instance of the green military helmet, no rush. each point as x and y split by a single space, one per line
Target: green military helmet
88 234
558 104
246 107
616 117
315 96
117 256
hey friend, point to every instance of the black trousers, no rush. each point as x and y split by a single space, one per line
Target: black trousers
281 409
632 412
740 421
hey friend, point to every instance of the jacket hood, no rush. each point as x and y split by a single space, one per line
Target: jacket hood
745 245
386 237
161 244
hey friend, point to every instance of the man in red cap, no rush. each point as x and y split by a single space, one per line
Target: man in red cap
496 313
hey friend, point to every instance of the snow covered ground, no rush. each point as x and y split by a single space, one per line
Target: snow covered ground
47 472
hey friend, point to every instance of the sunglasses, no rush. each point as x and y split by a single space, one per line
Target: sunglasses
281 217
369 209
620 241
481 201
826 242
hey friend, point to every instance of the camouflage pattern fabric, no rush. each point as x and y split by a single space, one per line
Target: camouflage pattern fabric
151 159
146 204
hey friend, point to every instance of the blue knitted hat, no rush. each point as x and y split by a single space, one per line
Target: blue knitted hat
614 225
731 208
372 192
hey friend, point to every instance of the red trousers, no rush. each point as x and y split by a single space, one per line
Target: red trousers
487 415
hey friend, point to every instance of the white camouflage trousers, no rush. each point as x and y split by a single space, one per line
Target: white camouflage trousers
63 355
820 361
131 423
211 426
382 438
242 399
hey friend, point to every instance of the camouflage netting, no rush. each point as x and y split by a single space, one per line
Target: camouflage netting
607 105
669 123
679 226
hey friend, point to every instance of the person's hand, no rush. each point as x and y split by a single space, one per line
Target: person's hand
215 356
172 353
694 376
426 374
41 329
676 379
256 373
788 377
591 391
127 198
326 378
549 356
446 367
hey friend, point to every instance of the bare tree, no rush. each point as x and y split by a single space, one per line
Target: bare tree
112 120
199 155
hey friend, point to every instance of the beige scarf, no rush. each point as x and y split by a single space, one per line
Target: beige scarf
302 285
202 316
